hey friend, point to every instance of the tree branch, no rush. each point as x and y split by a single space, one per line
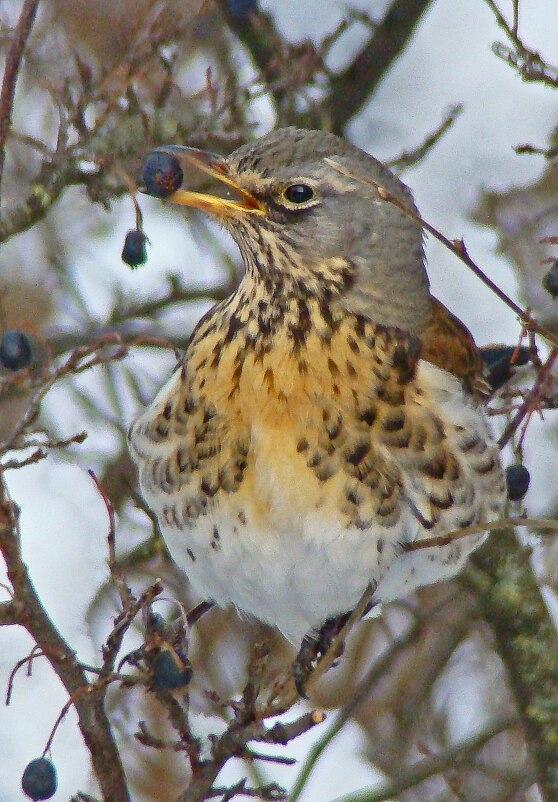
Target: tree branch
256 31
457 247
379 668
11 72
51 182
352 88
529 64
233 743
418 772
410 158
512 603
10 613
92 718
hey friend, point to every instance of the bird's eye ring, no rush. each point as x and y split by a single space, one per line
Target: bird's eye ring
298 193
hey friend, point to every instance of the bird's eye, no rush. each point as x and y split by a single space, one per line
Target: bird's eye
298 193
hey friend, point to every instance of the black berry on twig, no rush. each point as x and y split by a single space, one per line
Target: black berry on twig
171 671
15 350
134 252
517 480
39 779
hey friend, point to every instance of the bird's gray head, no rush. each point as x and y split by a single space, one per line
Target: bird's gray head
302 223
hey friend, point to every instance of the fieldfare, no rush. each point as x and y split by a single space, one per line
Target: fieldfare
324 416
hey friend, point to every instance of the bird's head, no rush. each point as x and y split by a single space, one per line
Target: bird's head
303 225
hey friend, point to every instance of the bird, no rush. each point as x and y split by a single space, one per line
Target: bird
326 416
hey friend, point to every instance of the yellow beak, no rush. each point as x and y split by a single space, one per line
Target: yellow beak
168 167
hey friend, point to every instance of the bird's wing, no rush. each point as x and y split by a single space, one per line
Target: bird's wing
449 344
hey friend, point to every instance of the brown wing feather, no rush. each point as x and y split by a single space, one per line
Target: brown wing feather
449 344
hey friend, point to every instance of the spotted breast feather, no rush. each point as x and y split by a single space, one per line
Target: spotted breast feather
290 460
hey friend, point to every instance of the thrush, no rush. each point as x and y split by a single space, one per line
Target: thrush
324 416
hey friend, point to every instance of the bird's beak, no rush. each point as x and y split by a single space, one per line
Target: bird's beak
168 168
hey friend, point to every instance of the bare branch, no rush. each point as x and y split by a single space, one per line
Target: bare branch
10 613
280 693
548 153
233 743
430 766
11 72
92 718
410 158
355 85
126 597
105 350
457 247
379 668
477 529
530 403
257 33
528 63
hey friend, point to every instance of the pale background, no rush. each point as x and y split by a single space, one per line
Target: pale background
449 60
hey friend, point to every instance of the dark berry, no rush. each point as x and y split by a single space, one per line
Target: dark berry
240 8
497 359
39 779
550 281
170 672
162 174
157 623
15 350
134 252
517 480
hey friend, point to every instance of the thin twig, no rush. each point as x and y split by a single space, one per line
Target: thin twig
379 668
457 247
409 158
529 403
32 459
476 529
124 620
529 64
92 719
233 743
283 691
415 774
257 32
28 661
11 72
126 597
80 360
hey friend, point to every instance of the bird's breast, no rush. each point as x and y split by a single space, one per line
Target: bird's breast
288 465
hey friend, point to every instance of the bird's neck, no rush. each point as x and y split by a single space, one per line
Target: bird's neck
387 284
